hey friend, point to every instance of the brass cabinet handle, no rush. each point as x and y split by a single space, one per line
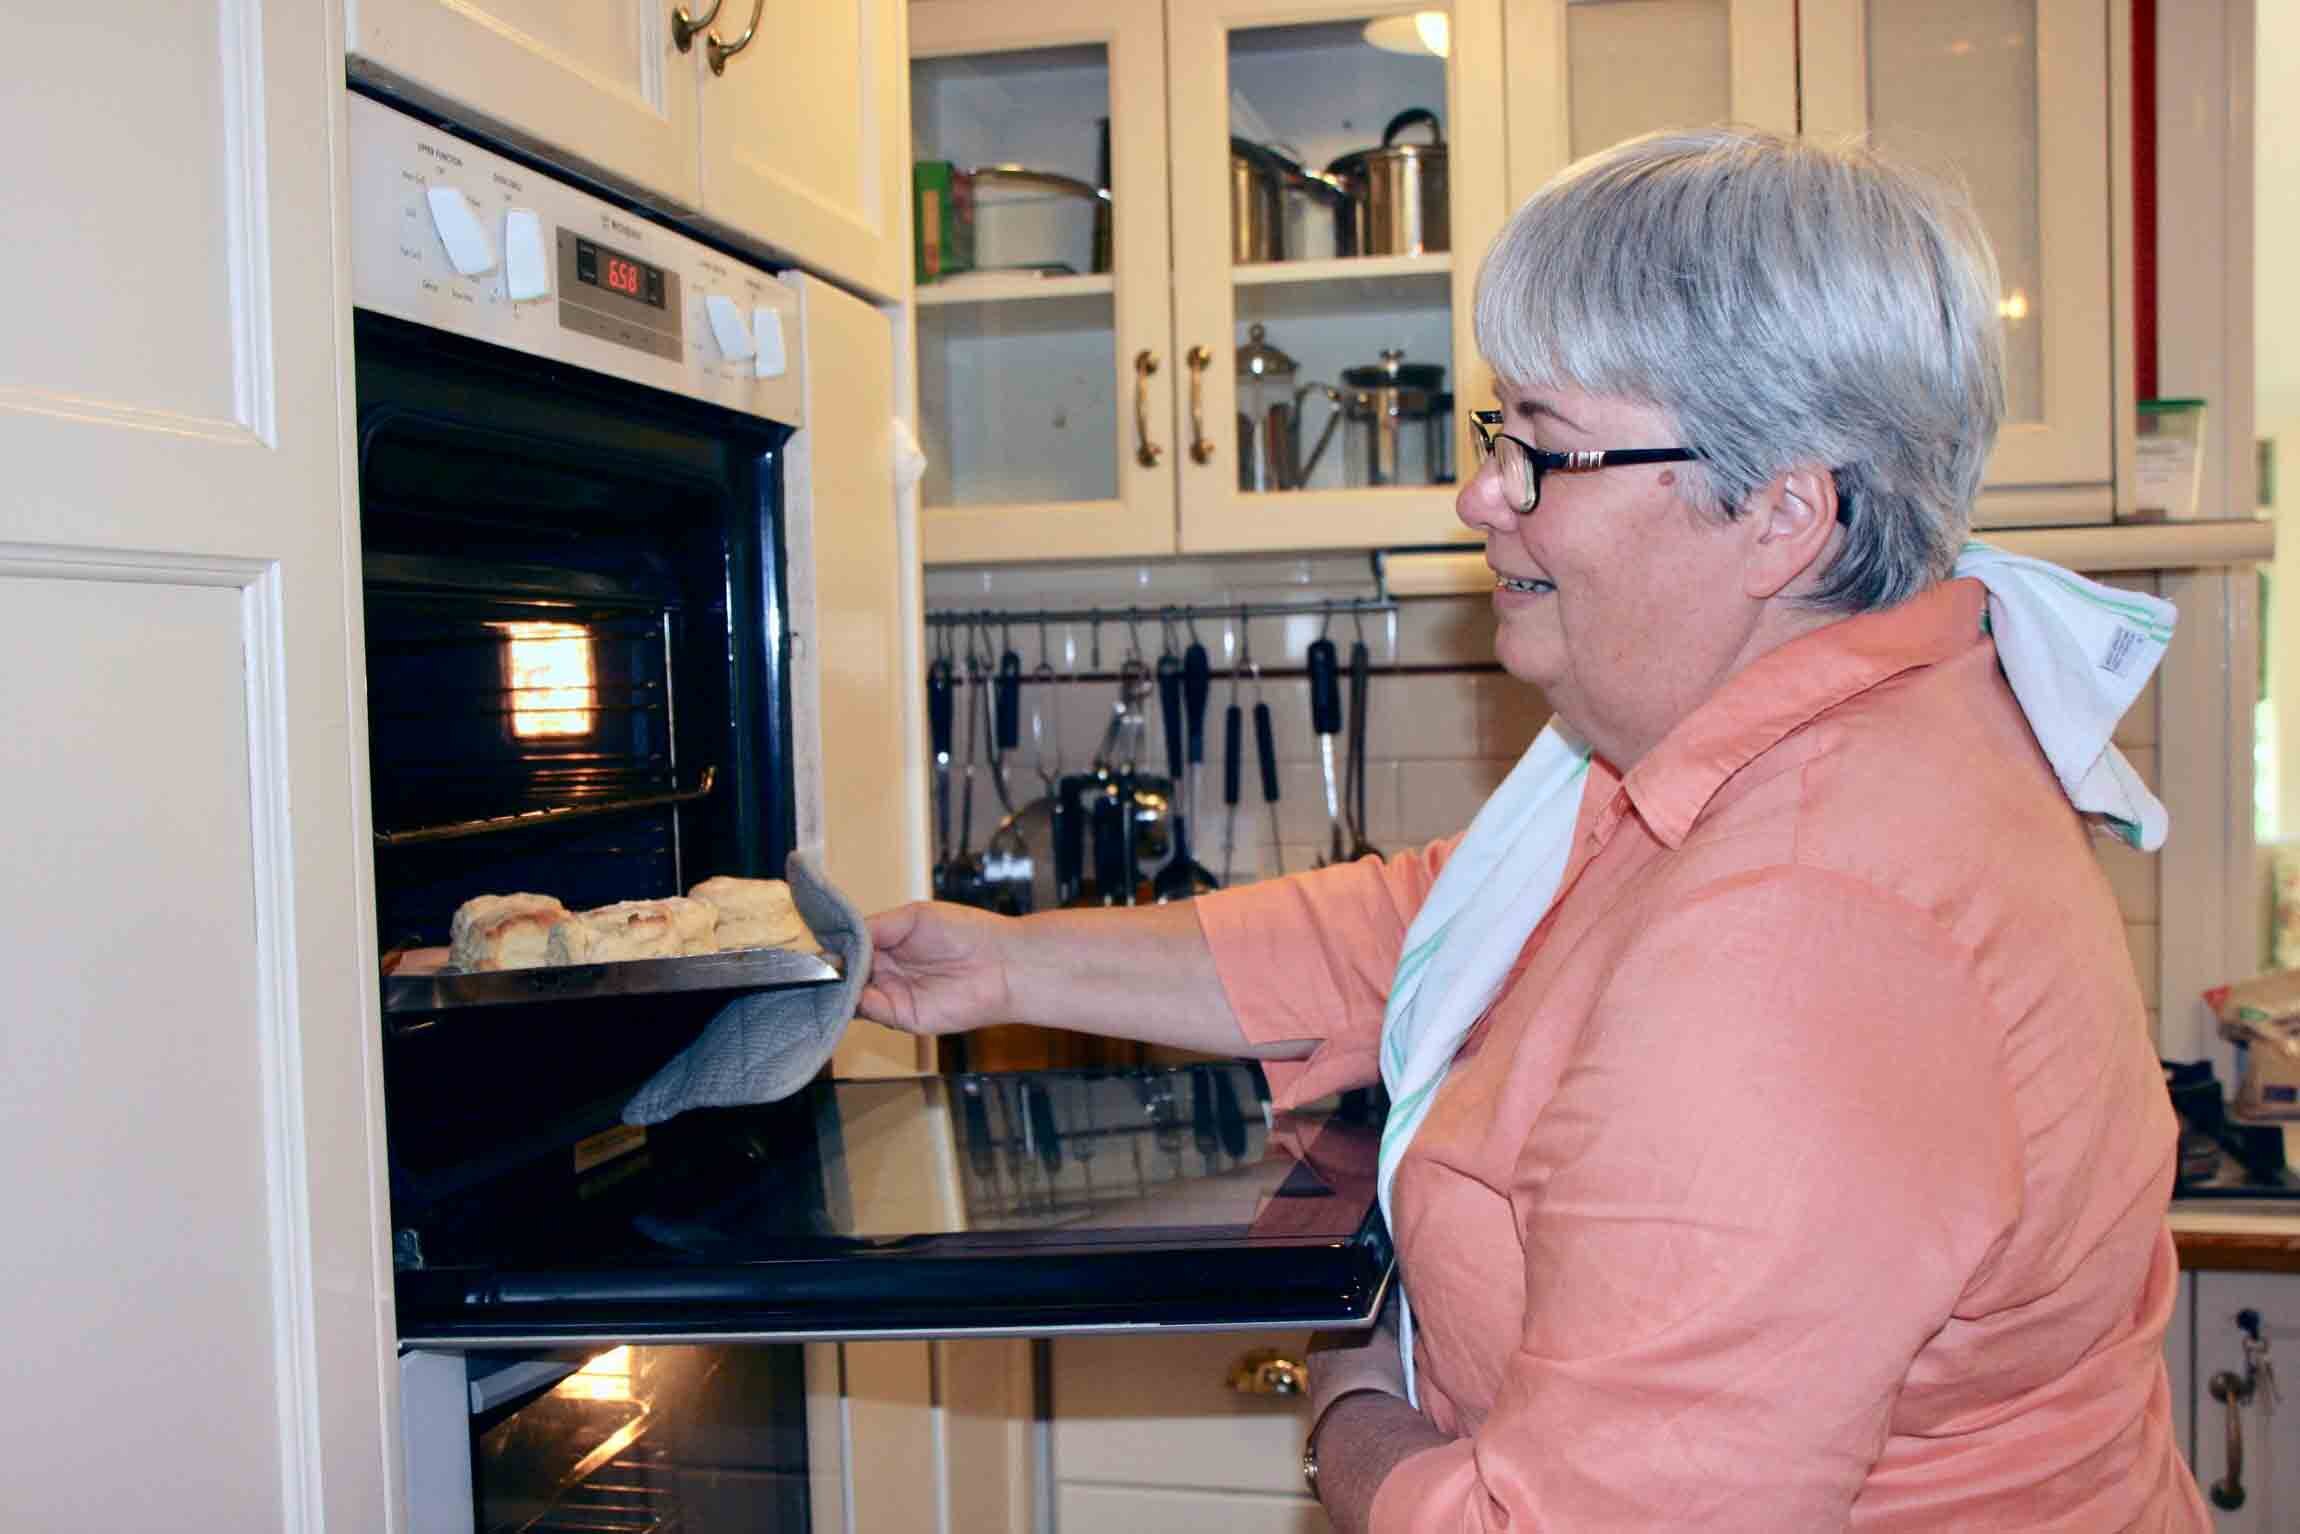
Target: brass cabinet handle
1268 1372
2235 1392
1201 445
2232 1391
1146 452
721 52
684 27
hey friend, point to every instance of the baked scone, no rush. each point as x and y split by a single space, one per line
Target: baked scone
635 929
756 913
503 932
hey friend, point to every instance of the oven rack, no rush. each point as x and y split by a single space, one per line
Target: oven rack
527 820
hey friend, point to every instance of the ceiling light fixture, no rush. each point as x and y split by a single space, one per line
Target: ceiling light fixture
1424 32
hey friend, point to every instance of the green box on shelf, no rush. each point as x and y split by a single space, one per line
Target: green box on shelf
944 219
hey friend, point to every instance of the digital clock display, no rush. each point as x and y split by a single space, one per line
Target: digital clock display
601 267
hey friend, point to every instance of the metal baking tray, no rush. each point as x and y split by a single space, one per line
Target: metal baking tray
741 969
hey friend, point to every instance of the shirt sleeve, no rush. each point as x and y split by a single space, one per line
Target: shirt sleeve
1779 1154
1311 956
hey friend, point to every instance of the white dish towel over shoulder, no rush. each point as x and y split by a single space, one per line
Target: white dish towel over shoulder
2076 654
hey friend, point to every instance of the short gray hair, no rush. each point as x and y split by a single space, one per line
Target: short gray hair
1786 302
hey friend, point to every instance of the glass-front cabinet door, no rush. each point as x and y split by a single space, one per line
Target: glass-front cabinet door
2010 99
1044 322
1337 173
1585 74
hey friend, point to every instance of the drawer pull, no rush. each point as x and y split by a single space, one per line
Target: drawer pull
1269 1372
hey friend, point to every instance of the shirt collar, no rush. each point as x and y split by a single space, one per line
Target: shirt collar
1790 687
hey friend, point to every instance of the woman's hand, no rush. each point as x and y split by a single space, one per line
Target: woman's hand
937 969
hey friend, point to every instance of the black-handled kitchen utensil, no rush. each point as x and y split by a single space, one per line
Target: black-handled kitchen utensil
1229 1122
939 678
1184 691
1266 757
1323 661
1202 1131
1009 694
1197 685
1361 677
1038 1118
1107 816
1233 759
975 1114
1170 712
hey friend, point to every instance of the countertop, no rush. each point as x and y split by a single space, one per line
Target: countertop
2236 1235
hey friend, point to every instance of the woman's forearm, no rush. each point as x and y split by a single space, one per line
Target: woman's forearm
1141 973
1360 1442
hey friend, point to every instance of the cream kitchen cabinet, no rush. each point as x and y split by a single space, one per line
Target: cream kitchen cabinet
2010 98
1148 1436
1587 73
196 1269
2017 100
1096 412
782 128
2217 1305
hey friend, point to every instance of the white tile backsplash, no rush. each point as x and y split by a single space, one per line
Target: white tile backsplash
1438 742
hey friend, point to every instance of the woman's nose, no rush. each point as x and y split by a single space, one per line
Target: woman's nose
1480 502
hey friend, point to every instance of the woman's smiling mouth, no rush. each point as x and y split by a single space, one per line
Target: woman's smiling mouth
1513 583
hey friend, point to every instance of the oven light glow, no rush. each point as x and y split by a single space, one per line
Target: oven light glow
553 689
605 1378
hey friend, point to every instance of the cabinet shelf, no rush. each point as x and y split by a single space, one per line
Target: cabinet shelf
1012 288
1435 265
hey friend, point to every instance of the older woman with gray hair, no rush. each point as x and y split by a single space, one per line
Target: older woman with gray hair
1777 1141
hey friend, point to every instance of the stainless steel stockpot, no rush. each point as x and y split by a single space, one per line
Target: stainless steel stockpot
1400 190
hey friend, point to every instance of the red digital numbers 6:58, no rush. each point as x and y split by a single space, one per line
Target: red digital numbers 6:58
623 276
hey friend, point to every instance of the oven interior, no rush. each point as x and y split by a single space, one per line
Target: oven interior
574 602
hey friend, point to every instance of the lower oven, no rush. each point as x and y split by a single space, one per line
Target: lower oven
582 582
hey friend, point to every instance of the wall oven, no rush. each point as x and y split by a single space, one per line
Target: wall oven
584 584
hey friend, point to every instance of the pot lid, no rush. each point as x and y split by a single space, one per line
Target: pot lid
1394 372
1259 359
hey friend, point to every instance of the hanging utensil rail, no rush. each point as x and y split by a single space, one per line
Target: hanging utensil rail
1183 612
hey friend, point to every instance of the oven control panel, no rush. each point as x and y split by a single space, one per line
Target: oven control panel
447 234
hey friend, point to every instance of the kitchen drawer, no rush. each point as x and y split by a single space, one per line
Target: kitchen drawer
1159 1412
1157 1510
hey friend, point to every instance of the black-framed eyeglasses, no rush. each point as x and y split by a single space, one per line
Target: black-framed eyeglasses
1522 464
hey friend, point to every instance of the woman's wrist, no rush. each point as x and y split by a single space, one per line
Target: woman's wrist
1318 1423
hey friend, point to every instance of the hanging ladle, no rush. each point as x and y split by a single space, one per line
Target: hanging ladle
1182 687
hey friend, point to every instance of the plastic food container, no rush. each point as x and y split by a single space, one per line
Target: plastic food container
2170 460
1033 220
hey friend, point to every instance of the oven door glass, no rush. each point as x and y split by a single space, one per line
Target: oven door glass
1019 1204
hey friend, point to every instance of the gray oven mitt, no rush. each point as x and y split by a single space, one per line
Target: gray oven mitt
767 1045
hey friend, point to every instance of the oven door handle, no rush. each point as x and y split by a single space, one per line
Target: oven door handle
527 819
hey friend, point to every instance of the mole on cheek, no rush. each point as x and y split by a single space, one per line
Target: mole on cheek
1669 476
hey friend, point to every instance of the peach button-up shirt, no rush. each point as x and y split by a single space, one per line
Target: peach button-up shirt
1810 1170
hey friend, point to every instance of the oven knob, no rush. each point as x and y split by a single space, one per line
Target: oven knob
468 248
730 327
526 272
767 328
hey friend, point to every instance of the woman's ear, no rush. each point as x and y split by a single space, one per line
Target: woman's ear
1792 528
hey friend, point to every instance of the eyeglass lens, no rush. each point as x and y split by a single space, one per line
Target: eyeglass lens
1520 477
